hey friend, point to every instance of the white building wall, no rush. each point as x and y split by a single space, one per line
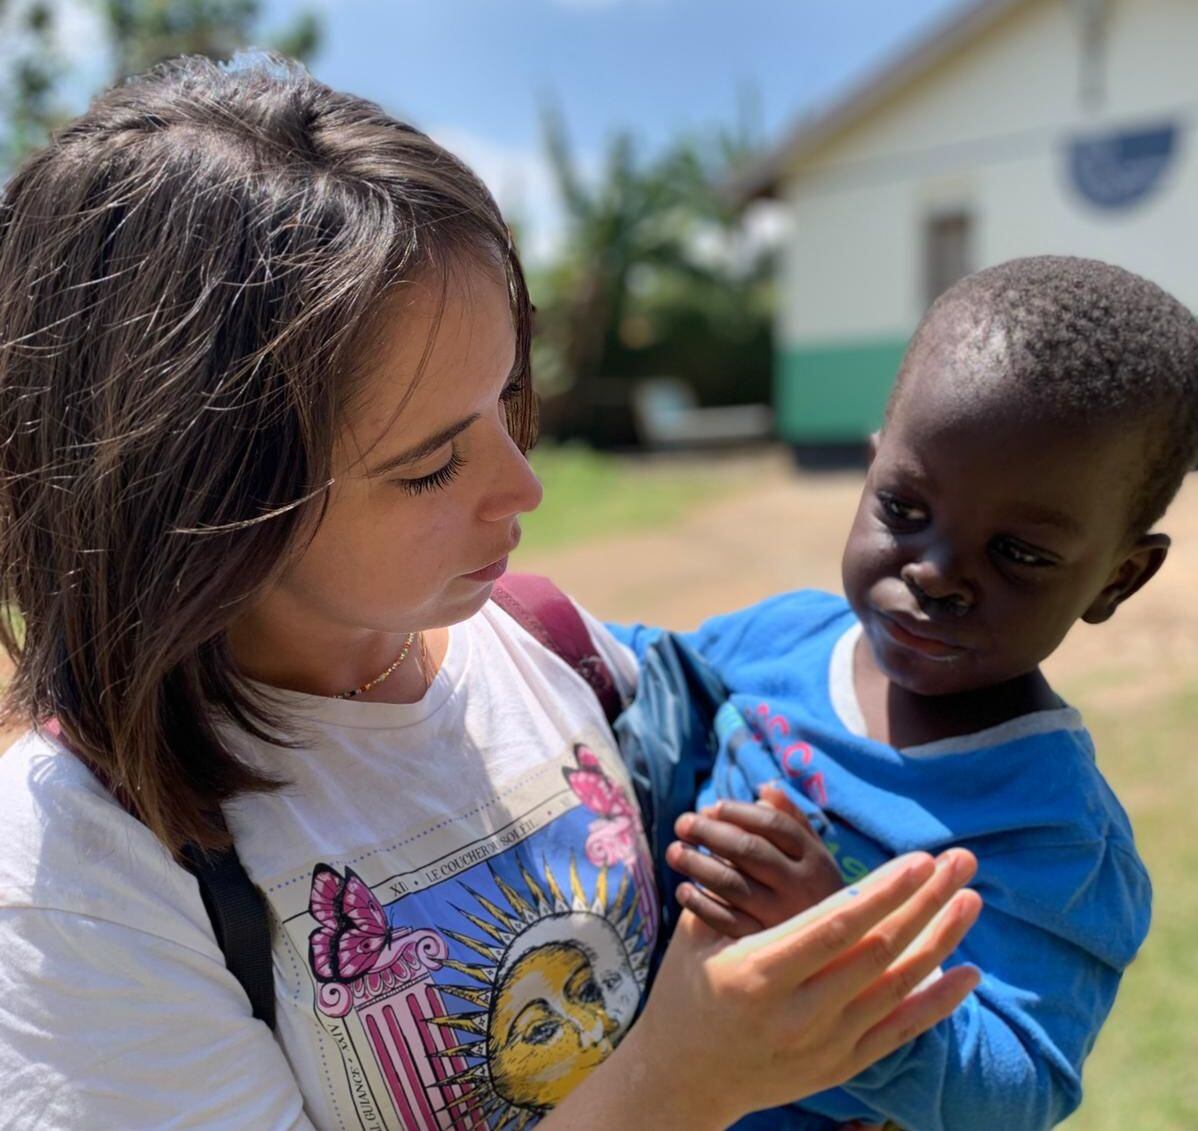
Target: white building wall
986 131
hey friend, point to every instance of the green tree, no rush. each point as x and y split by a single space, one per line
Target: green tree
144 32
653 278
30 62
138 34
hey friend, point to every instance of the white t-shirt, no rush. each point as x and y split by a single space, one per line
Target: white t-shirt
463 903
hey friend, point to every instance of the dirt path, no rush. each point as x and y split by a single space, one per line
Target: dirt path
787 530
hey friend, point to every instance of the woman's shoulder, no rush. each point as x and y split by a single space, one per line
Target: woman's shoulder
534 627
51 800
68 847
114 979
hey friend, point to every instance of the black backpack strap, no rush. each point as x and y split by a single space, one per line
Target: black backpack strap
240 922
236 908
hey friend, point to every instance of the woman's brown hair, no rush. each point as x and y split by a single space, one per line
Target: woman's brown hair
185 272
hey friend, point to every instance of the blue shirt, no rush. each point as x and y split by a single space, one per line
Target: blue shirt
1067 899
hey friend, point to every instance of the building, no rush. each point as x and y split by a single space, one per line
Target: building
1018 127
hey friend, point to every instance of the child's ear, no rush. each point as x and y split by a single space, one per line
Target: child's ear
1132 574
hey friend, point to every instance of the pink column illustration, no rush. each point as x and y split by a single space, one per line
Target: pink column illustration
384 974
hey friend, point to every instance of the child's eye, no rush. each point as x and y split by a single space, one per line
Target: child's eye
1020 554
512 390
895 510
435 480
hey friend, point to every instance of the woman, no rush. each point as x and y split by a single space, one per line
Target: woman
266 399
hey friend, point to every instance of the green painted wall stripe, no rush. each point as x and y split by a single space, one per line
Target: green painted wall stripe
834 393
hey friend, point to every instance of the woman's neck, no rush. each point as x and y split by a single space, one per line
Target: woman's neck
284 648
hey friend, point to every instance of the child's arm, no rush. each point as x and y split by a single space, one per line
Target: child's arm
1010 1056
766 863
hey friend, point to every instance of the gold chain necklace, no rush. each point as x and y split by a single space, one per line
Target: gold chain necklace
407 647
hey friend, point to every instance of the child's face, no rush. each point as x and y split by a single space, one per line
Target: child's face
417 542
983 534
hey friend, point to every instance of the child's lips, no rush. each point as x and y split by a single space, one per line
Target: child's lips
917 636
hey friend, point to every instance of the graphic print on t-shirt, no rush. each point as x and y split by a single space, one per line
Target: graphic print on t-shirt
478 987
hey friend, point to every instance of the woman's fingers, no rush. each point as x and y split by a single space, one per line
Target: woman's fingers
792 952
885 944
915 1015
889 991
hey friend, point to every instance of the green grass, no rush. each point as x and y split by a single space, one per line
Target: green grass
1143 1074
592 495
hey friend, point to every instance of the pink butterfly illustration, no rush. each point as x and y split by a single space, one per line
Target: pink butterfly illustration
595 789
354 936
613 837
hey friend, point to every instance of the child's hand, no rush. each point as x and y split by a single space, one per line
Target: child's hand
767 863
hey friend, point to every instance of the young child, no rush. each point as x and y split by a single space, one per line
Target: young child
1043 418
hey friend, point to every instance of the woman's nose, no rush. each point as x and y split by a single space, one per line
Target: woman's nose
939 580
514 489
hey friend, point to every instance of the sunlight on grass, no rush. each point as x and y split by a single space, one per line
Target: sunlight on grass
591 495
1142 1074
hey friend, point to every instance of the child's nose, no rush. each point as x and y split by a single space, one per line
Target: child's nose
941 582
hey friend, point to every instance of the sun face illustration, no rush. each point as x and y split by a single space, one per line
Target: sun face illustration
557 987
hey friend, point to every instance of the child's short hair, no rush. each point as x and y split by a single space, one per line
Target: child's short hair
1088 343
184 274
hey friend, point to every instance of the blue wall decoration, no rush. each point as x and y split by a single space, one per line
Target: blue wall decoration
1119 169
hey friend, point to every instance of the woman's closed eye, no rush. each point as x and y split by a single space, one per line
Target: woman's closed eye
434 480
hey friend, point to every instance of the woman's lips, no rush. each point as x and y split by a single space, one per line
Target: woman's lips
492 572
915 641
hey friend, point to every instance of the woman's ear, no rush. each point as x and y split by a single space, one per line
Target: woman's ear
1132 574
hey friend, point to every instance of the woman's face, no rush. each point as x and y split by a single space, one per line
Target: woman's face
428 485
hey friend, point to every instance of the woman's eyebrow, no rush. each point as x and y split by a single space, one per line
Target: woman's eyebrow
426 447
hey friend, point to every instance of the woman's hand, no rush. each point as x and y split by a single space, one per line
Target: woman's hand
731 1027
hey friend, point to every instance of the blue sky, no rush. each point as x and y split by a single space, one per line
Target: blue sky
653 65
474 73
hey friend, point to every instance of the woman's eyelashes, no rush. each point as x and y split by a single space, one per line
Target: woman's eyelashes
447 472
435 480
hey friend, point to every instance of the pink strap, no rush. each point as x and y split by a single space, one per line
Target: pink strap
543 610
